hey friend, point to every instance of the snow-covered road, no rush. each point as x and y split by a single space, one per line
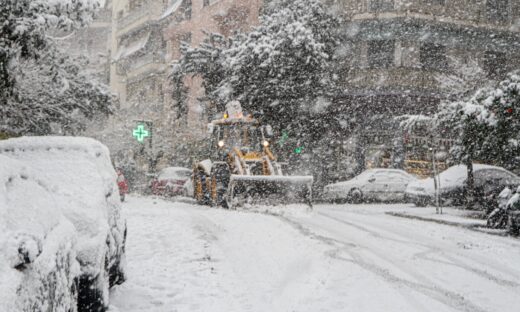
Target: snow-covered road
184 257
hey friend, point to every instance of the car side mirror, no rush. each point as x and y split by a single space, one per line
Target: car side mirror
28 248
372 180
268 131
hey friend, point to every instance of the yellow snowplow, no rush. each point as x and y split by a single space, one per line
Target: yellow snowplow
242 169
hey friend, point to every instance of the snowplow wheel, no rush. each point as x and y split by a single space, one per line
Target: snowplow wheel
219 184
214 196
198 188
202 189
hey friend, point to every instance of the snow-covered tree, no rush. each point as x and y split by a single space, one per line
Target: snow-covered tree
286 72
486 127
54 95
488 124
39 86
501 143
283 70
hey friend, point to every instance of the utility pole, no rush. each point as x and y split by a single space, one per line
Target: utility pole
436 179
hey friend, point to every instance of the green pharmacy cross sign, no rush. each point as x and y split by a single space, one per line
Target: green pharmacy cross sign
284 138
140 133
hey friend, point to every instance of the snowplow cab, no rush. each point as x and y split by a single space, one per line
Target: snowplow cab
242 168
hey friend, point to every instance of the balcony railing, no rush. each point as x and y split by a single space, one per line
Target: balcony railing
135 16
145 60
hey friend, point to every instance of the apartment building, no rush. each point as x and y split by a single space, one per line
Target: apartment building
406 57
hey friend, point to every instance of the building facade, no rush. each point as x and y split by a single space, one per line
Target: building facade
407 56
92 43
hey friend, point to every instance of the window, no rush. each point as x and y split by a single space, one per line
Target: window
381 53
187 9
433 56
135 4
438 2
381 5
497 10
205 3
495 63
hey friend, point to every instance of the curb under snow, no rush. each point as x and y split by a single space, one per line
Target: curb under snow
477 227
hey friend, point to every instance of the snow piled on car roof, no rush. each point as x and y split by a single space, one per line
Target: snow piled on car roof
455 175
452 177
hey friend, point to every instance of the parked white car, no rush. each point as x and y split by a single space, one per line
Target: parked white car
37 243
371 185
80 173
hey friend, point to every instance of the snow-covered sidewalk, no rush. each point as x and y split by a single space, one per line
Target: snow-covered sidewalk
449 216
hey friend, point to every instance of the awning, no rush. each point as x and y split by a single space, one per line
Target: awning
132 47
172 8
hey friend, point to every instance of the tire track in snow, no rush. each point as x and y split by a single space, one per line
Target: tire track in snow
446 297
422 255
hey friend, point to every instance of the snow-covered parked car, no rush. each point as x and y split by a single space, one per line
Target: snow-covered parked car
373 184
80 173
452 184
170 181
38 267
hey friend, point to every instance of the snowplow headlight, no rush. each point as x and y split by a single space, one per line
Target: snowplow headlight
221 143
266 143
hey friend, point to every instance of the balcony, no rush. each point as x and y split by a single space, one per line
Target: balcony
145 60
137 17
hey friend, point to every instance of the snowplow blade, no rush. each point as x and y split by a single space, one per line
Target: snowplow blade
268 190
